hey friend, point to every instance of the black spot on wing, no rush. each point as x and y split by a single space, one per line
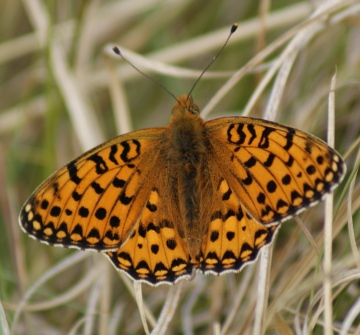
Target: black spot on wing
112 155
100 213
151 226
124 199
125 154
240 132
44 204
269 161
118 183
251 129
55 211
97 188
114 221
151 207
286 179
100 164
171 244
248 180
72 170
290 161
250 162
264 140
271 186
214 236
83 212
76 196
311 169
289 139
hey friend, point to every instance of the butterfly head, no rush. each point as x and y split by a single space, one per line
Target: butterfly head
185 108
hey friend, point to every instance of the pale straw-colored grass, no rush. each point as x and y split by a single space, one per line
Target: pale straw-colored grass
64 91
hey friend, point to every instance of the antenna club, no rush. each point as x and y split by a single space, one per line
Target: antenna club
233 28
116 50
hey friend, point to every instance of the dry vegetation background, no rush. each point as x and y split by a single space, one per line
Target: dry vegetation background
63 91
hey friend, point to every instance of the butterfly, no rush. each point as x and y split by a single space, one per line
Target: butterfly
196 195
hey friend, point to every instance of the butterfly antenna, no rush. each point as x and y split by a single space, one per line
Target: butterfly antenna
232 30
118 52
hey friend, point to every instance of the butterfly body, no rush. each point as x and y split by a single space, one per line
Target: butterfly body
162 202
187 148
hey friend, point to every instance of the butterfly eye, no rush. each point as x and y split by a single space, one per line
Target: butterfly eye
191 107
194 109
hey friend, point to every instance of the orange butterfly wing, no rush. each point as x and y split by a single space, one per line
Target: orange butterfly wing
157 251
115 195
232 237
266 174
94 201
276 171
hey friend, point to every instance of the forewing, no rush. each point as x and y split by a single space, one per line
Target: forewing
94 201
274 170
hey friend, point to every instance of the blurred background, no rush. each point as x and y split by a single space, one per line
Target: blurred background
64 91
